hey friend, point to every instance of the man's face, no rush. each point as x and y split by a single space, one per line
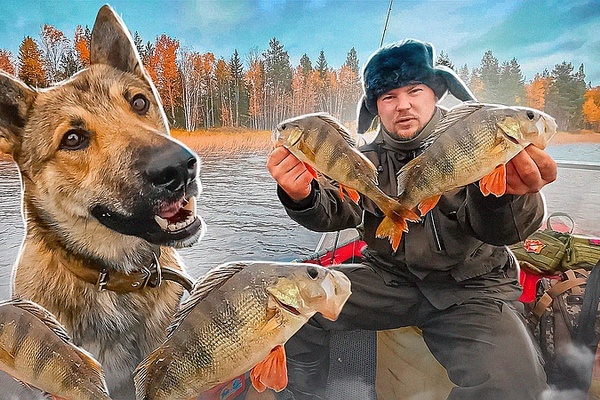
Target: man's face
407 109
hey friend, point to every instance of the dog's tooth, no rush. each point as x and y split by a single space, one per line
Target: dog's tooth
191 206
163 223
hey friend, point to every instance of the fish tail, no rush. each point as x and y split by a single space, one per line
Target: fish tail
395 223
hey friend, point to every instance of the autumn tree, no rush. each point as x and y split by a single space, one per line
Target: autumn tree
6 63
31 64
223 85
81 42
255 81
54 46
165 74
537 89
591 108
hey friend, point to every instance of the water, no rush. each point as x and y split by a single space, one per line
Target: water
239 205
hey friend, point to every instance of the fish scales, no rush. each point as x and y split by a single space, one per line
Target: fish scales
469 143
232 320
36 350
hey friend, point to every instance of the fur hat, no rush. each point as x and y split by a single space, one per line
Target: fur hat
405 62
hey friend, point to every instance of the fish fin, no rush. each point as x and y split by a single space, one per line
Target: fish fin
213 279
395 223
494 182
271 372
341 129
353 194
426 205
41 314
312 171
272 323
7 358
453 115
93 364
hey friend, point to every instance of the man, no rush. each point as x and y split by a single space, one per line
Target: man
451 276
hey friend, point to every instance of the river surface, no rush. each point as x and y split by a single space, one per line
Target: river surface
246 220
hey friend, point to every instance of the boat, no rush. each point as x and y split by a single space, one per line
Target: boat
396 364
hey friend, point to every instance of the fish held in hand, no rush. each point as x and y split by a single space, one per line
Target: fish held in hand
237 319
473 142
37 351
325 145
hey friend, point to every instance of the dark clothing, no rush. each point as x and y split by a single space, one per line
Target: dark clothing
452 276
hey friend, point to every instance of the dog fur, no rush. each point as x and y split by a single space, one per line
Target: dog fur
97 163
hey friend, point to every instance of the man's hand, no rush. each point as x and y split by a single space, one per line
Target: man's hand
290 173
529 171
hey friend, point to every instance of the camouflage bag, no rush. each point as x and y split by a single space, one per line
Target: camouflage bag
544 250
564 317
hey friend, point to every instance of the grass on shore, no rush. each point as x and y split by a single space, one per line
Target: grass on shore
225 140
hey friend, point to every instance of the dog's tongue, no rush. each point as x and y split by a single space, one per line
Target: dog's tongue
170 210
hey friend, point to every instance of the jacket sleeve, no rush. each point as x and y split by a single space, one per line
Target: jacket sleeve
323 210
500 220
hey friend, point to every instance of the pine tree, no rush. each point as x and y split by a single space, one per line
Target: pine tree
278 82
489 75
444 59
240 97
69 64
305 65
511 84
352 61
566 95
321 66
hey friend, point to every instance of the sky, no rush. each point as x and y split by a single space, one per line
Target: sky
539 34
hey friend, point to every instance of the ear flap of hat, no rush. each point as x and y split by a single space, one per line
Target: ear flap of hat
365 117
456 86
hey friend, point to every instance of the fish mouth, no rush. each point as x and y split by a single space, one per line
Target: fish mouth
174 223
292 310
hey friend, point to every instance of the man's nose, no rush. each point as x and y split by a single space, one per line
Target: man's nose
402 103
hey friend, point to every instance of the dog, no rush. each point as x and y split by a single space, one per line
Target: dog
108 196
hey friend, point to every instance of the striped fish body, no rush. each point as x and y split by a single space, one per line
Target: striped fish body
37 351
470 142
235 316
323 143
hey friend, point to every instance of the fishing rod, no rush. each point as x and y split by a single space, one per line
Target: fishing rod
387 18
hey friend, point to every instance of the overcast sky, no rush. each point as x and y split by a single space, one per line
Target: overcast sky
539 34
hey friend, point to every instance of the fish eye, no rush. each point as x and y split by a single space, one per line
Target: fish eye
140 104
312 272
282 127
530 114
75 139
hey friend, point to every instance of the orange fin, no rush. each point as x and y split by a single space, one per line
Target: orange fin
494 182
395 223
311 170
353 194
427 205
270 372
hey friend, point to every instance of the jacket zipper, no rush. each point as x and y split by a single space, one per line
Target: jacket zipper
438 240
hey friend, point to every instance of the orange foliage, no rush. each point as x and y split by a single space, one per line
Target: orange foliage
591 107
536 92
31 65
164 71
6 64
82 46
255 80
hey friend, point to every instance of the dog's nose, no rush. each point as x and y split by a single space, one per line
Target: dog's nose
171 167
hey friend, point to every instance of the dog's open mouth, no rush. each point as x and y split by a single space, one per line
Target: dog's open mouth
176 216
173 224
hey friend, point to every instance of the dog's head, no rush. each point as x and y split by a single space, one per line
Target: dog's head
97 162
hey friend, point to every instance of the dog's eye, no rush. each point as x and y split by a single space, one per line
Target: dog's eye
75 139
139 104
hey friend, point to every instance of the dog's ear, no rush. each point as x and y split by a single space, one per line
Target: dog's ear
111 43
15 100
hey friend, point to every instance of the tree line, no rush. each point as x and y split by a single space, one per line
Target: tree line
199 90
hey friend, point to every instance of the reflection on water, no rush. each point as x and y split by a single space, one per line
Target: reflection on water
246 221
